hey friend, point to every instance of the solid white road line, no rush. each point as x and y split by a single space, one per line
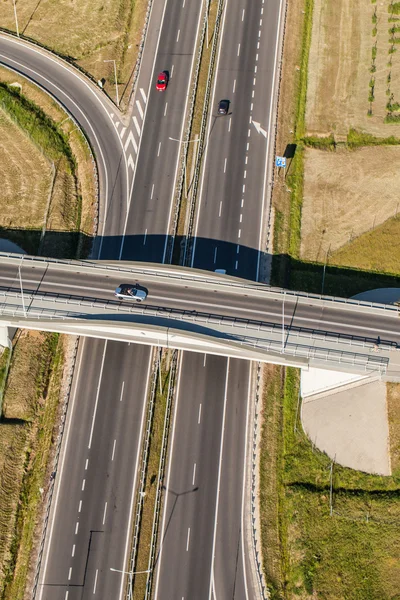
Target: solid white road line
244 482
128 529
162 533
97 394
61 469
219 481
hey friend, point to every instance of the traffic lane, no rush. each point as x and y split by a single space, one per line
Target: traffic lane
90 109
184 563
120 446
230 550
235 304
92 531
54 574
153 192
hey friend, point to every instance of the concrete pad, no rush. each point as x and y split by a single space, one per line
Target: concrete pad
315 381
351 426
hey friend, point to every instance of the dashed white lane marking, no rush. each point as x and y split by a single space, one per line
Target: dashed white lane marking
122 133
242 203
244 188
254 81
243 15
152 192
136 124
240 218
250 119
66 595
258 45
145 238
238 49
143 95
234 86
86 464
76 528
240 233
95 581
225 166
194 473
256 57
259 34
255 69
248 133
237 249
113 452
245 160
69 573
260 22
262 11
83 484
205 358
80 506
165 110
252 94
131 162
122 391
159 148
220 208
188 540
251 106
215 254
183 5
245 175
230 121
172 71
73 551
198 420
247 147
139 107
236 265
179 33
105 512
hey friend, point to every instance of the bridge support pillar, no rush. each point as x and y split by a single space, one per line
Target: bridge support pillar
5 340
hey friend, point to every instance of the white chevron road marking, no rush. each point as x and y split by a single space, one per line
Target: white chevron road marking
130 139
131 163
143 95
139 109
136 124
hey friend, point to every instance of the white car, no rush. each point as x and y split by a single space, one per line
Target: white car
126 291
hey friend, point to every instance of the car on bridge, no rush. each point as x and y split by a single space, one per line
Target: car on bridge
127 291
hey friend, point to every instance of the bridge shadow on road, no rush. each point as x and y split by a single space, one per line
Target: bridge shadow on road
209 254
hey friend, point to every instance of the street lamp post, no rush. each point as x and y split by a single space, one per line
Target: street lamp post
184 166
115 78
16 18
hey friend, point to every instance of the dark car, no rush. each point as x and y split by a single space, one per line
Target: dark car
223 107
162 81
126 291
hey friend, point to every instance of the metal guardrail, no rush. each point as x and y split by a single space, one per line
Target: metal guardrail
184 274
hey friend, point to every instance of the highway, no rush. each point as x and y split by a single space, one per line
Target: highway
128 208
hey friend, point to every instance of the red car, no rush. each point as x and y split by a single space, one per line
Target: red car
162 81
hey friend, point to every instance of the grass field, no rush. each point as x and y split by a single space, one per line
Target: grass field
340 198
87 31
26 432
353 554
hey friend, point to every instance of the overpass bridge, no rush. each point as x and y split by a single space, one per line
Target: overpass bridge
199 311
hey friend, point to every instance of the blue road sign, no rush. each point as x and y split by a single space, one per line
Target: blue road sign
280 161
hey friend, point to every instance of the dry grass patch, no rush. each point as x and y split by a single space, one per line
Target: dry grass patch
346 194
26 178
377 250
88 31
393 402
345 40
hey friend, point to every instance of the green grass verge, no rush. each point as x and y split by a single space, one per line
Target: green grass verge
146 523
352 554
